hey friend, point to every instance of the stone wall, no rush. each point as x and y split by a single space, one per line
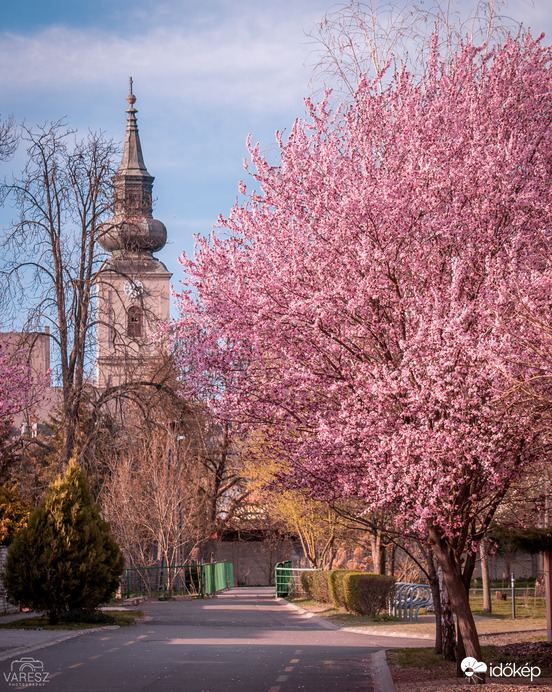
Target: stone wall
254 561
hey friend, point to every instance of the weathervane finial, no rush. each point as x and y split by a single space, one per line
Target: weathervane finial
131 99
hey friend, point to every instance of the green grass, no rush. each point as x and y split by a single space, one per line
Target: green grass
502 584
72 621
431 665
527 606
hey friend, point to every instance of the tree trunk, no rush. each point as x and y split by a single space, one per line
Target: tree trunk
452 577
448 627
436 595
378 552
375 541
484 552
392 551
70 417
460 654
383 559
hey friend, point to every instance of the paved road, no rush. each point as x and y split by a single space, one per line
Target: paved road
241 640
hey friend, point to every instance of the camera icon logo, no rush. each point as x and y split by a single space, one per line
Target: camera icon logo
26 672
26 664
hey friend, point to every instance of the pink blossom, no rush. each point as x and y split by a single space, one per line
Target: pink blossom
348 308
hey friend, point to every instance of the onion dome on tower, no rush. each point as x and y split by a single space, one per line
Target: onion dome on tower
132 230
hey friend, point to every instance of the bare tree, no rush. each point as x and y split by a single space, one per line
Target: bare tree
9 139
357 40
172 474
53 260
155 502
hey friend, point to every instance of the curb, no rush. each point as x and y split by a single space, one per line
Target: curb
379 670
5 655
135 600
383 682
373 632
377 632
312 616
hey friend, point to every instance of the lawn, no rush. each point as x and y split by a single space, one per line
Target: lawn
527 605
499 621
71 621
417 664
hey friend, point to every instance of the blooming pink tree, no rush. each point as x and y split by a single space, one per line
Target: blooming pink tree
347 306
18 388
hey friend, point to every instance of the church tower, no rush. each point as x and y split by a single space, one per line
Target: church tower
133 287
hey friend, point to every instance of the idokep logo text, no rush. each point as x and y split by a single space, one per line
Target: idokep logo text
474 669
513 670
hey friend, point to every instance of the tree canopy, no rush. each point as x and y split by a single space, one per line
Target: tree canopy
352 303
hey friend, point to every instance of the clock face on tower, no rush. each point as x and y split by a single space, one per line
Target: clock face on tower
134 288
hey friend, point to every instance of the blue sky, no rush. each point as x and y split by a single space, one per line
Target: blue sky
206 73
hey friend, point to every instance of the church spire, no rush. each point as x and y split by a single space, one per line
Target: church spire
132 228
133 160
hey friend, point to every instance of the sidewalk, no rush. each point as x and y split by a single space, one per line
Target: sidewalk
23 642
424 627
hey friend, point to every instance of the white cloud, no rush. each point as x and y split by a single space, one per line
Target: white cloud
216 66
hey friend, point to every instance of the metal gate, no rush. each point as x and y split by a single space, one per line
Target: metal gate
178 580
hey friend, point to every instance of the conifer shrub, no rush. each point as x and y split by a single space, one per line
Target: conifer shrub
366 593
66 558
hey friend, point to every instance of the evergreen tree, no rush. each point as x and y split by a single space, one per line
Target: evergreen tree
14 511
66 557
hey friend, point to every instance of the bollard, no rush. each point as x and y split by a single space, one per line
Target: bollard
513 583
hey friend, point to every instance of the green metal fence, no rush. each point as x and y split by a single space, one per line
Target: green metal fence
288 580
174 580
217 576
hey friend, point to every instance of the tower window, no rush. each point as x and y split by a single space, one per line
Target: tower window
134 321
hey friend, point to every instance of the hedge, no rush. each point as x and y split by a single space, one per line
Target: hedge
315 584
359 592
336 586
367 594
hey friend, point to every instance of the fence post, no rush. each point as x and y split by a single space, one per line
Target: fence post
548 592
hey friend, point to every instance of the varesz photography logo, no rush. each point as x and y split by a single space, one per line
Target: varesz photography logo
474 669
28 672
